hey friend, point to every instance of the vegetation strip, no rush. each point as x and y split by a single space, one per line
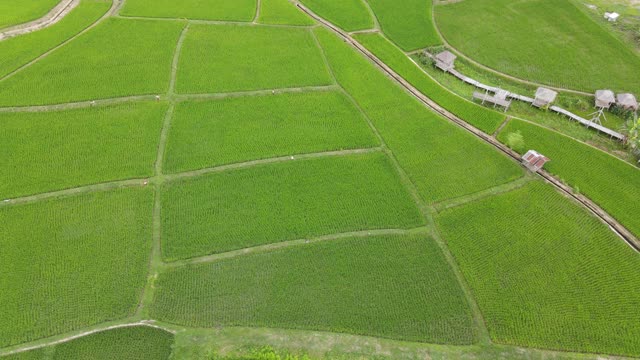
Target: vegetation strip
289 243
614 224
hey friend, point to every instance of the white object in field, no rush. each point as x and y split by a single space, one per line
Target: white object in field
605 98
534 161
611 16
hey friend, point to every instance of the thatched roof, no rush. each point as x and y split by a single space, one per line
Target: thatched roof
604 98
546 96
627 101
446 57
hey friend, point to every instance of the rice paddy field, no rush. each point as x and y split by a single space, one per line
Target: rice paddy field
220 179
550 42
14 13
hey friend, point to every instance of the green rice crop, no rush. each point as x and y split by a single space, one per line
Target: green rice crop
285 201
17 51
206 134
547 274
135 343
227 10
548 41
408 23
48 151
350 15
14 13
117 58
442 160
282 12
226 58
611 183
484 119
74 262
397 287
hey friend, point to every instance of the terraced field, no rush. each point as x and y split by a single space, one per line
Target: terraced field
224 179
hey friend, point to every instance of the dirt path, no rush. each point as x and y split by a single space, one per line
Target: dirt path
56 14
618 228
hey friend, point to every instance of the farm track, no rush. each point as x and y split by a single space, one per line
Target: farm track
56 14
618 228
494 71
212 22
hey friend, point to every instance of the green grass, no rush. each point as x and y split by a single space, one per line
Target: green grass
282 12
14 13
548 41
227 10
117 58
350 15
229 58
408 23
48 151
442 160
484 119
17 51
546 273
397 287
611 183
286 201
135 343
74 262
258 127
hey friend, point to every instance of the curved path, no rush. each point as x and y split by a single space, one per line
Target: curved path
618 228
56 14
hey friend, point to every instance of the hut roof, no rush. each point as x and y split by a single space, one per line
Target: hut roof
446 57
604 98
627 101
546 95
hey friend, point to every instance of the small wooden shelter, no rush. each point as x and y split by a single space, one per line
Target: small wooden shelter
627 102
611 16
445 61
499 99
534 161
604 99
544 97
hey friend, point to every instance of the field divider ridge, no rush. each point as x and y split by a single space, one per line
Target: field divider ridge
496 190
427 213
290 243
587 203
77 105
275 91
211 22
251 163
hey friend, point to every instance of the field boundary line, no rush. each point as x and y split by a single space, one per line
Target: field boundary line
504 123
274 160
497 72
480 195
76 105
618 228
426 211
289 243
176 60
261 92
175 97
211 22
83 189
141 182
147 323
257 15
115 6
376 21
